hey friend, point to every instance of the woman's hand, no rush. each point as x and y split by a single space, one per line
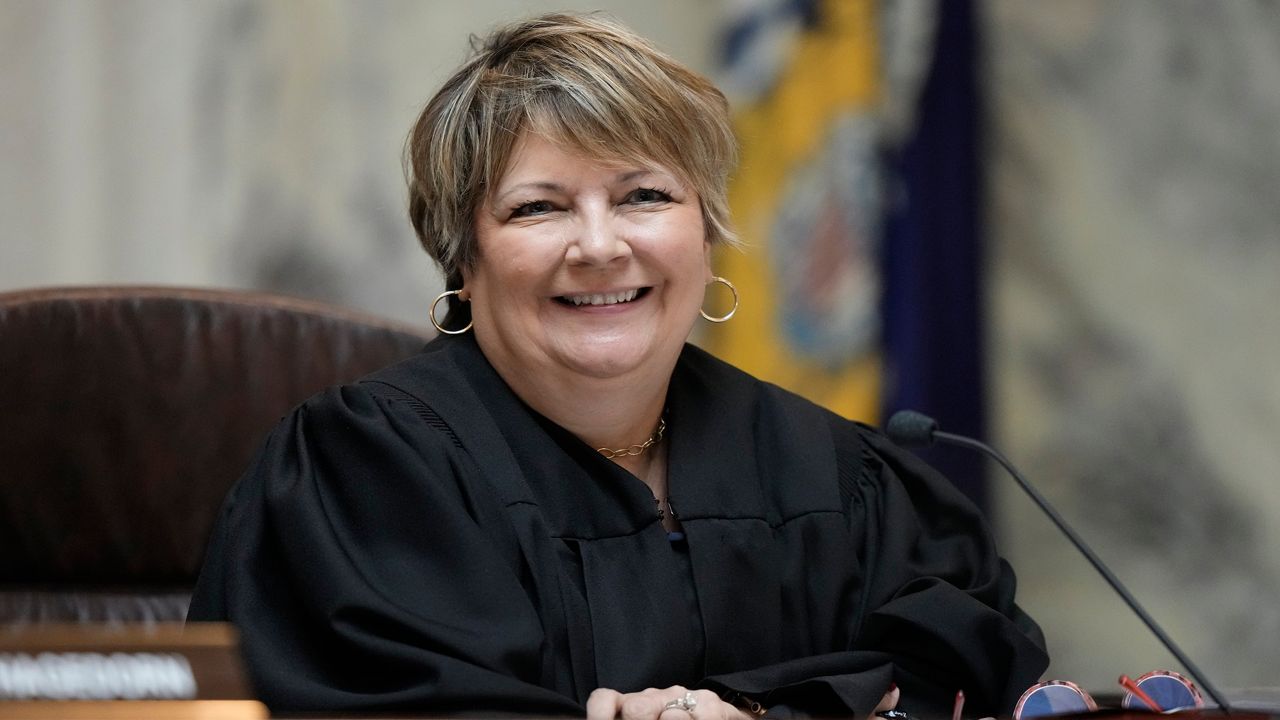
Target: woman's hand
888 702
605 704
651 704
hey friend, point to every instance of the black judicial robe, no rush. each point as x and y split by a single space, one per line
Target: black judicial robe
422 539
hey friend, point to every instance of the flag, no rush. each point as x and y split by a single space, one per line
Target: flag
859 204
933 331
803 78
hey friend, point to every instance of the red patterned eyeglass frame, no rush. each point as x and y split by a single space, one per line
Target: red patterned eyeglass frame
1134 696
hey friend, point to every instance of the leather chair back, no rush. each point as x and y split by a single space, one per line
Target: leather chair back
126 414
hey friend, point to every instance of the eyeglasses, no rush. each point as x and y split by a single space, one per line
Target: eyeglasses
1161 691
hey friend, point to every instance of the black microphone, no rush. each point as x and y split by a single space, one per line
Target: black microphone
909 428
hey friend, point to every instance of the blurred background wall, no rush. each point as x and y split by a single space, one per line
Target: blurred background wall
1134 165
1130 158
244 143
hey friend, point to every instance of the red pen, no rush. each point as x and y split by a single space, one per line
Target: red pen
959 706
1128 684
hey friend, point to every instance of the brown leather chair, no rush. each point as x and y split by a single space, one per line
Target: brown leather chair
126 413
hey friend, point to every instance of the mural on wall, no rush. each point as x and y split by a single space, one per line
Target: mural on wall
1136 353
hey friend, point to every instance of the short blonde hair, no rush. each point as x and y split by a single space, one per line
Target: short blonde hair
580 80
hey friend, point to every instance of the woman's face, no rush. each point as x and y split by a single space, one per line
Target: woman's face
594 269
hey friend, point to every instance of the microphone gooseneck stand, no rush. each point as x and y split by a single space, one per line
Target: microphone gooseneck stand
912 429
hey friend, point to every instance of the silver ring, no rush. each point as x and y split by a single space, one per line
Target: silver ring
686 703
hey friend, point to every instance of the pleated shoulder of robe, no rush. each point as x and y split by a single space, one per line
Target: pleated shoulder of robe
422 540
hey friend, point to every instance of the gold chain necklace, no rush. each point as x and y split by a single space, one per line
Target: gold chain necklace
633 450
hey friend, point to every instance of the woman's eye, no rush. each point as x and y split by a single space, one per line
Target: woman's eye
537 207
647 195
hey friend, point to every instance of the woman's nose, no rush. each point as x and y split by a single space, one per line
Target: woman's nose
597 241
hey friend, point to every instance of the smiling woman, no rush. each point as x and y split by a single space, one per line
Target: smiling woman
565 508
586 284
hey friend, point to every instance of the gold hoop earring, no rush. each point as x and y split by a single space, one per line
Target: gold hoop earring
432 315
729 314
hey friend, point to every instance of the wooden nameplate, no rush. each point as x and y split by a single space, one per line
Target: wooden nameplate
123 670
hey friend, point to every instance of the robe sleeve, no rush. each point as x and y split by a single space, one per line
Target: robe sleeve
352 562
938 612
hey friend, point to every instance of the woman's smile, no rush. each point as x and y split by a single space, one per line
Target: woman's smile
596 301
